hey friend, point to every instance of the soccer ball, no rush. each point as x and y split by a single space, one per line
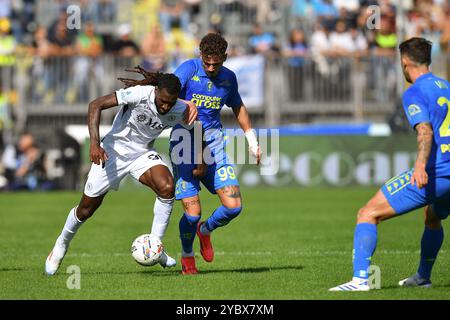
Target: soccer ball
147 249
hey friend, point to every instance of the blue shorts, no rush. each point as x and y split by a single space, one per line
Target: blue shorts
216 177
404 197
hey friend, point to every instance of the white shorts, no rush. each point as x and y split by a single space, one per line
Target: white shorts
101 180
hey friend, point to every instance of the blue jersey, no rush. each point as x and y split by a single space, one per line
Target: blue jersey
428 100
209 94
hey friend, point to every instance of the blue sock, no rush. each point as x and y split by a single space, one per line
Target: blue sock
430 245
221 217
188 227
364 245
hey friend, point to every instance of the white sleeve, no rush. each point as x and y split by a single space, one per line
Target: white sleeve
133 95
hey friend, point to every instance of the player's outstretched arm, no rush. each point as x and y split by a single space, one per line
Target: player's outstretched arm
97 154
424 144
245 123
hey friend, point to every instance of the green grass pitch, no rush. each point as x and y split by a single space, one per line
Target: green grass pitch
289 243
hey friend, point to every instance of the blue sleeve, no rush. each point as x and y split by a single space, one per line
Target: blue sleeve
415 106
185 72
234 98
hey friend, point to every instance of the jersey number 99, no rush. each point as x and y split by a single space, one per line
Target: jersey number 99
226 172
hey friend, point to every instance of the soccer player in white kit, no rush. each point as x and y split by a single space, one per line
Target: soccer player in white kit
128 149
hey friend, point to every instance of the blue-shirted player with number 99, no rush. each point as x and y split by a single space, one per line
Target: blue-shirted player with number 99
426 104
209 85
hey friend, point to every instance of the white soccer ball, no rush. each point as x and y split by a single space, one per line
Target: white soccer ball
147 249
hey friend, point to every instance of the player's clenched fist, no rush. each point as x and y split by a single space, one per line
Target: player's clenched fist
97 155
191 112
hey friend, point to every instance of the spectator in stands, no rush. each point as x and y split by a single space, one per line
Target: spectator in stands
41 50
62 38
326 67
153 49
341 40
320 40
261 41
30 173
7 44
383 64
125 46
172 13
429 29
89 43
87 65
345 42
59 68
359 43
180 46
385 38
295 51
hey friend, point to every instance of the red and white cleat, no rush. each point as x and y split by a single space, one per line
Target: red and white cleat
188 265
206 248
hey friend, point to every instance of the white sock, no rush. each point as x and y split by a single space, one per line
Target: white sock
204 230
161 210
70 228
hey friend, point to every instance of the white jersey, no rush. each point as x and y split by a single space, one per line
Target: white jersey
138 123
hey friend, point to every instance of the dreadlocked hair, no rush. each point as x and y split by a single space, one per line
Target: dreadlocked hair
213 44
167 81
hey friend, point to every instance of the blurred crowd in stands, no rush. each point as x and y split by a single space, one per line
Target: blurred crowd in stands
160 34
314 42
172 28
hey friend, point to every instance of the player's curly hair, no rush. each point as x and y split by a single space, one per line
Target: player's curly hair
167 81
213 44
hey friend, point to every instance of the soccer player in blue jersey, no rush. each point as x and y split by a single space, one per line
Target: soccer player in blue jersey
210 85
427 185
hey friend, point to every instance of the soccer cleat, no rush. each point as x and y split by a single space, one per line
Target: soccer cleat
188 265
166 261
415 281
206 249
55 258
357 284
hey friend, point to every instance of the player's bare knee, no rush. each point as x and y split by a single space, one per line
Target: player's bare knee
364 215
192 207
84 212
166 190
